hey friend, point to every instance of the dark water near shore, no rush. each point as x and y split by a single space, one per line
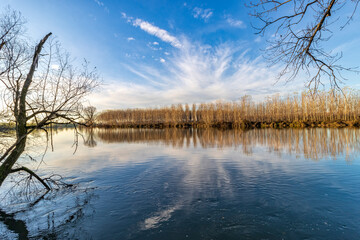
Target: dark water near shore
194 184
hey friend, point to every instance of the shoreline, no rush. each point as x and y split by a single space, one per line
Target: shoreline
239 125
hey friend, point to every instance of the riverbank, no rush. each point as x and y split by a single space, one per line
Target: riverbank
238 125
325 109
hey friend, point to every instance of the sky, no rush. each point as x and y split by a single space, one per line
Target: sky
152 53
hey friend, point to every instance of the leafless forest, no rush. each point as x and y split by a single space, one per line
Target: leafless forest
324 109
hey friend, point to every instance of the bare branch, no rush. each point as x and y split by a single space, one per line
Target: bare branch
41 86
32 174
300 29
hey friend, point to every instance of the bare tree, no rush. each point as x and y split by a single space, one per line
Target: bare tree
89 115
301 27
40 88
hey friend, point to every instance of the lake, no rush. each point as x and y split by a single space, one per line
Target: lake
191 184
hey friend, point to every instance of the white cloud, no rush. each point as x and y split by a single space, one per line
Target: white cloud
102 5
162 60
130 39
204 14
153 30
155 43
234 22
128 19
346 46
55 66
193 74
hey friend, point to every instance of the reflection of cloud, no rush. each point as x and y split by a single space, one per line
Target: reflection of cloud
248 149
212 179
161 216
198 176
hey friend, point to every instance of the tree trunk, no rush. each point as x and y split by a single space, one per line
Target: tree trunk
21 118
5 168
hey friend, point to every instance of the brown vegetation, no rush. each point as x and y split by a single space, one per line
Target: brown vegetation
325 109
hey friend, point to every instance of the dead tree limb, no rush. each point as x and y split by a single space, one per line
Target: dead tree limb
25 169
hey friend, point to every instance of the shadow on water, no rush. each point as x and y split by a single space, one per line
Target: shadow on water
14 225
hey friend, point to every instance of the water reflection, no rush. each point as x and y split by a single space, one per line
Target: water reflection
313 143
89 141
197 184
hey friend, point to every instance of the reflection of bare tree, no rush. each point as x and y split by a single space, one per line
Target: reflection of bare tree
89 139
173 137
14 225
312 143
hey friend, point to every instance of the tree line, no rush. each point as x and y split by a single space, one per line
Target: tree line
325 108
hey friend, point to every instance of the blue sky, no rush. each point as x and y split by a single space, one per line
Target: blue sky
161 52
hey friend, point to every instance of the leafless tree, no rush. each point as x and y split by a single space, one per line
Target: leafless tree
40 87
301 27
326 108
89 115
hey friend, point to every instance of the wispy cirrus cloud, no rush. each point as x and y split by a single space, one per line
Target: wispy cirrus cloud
153 30
192 74
102 5
234 22
201 13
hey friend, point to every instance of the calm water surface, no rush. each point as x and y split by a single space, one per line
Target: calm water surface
193 184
